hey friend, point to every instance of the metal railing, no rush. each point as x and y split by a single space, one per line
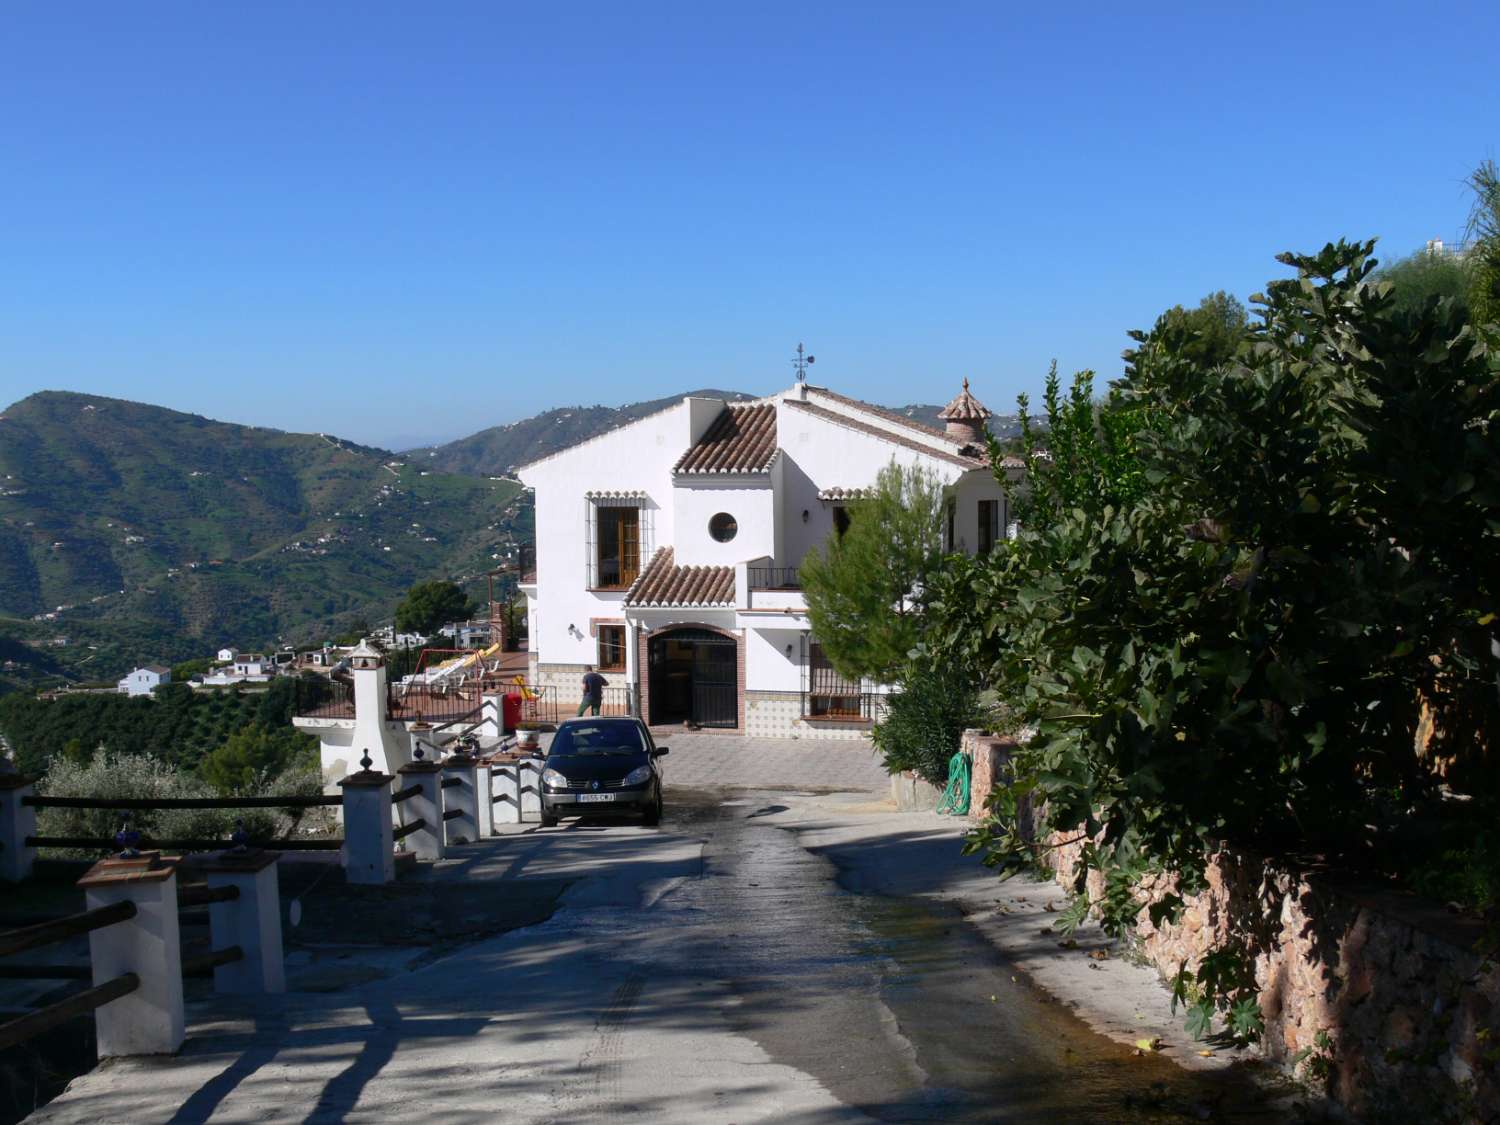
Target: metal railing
773 578
550 703
324 699
845 707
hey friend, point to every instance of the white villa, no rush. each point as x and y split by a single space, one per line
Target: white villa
143 681
667 552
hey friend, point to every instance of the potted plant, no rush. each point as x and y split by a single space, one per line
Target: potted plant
528 733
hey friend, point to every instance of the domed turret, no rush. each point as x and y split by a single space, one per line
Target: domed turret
965 418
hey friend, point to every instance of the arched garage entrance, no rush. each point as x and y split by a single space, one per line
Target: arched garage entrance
693 678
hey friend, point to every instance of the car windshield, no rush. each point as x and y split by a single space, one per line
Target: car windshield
587 740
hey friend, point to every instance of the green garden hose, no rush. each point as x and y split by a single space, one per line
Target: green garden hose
955 800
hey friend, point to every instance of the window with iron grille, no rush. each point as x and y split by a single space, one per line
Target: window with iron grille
829 694
617 539
611 648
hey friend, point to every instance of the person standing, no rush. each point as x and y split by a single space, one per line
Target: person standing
593 691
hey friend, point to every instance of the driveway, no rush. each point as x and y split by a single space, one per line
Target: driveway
714 970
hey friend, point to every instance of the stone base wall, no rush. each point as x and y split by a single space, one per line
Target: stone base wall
912 794
1394 983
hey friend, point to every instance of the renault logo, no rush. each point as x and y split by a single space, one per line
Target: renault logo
593 785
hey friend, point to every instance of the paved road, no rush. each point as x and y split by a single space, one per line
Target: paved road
701 761
712 971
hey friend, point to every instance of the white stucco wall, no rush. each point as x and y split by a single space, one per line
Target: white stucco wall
636 457
768 665
696 503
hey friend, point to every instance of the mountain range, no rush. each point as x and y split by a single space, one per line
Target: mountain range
132 533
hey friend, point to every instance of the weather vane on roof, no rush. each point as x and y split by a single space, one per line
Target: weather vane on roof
801 364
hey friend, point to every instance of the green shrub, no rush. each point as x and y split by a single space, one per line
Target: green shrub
925 721
140 776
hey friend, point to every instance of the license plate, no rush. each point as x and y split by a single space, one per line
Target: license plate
587 798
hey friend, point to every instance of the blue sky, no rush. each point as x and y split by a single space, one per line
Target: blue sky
404 222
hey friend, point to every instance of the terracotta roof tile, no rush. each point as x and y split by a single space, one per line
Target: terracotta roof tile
742 439
965 408
664 584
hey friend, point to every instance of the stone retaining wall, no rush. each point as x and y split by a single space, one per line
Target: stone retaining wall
1395 983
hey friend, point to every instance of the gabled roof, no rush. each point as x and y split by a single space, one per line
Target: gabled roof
951 452
663 583
157 668
742 439
881 412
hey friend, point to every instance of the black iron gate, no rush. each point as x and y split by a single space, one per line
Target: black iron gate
694 678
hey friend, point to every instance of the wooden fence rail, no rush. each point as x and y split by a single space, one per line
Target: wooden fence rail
80 1004
50 933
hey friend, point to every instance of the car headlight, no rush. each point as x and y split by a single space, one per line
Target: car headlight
555 779
638 776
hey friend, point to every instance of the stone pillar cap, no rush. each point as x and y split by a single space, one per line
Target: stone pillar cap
420 767
367 779
148 867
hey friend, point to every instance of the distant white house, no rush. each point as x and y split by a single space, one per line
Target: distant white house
667 552
226 655
250 665
143 681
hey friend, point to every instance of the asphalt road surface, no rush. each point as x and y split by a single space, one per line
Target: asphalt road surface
714 970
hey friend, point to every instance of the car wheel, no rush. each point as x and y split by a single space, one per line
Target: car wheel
549 821
653 814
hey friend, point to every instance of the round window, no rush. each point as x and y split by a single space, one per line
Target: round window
723 527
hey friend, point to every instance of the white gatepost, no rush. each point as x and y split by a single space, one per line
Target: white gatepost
529 773
251 920
17 821
148 1021
369 851
491 716
470 798
505 790
424 807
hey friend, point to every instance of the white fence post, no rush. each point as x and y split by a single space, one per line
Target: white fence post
505 791
369 851
17 821
148 1021
470 797
251 921
529 776
425 806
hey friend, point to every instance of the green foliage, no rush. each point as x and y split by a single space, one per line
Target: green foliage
861 587
430 605
187 669
1224 982
141 776
250 757
925 719
1222 625
1426 276
167 535
179 726
1484 253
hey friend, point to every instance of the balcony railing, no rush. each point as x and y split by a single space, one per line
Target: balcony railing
551 704
773 578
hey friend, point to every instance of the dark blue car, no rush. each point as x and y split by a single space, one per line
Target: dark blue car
599 765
